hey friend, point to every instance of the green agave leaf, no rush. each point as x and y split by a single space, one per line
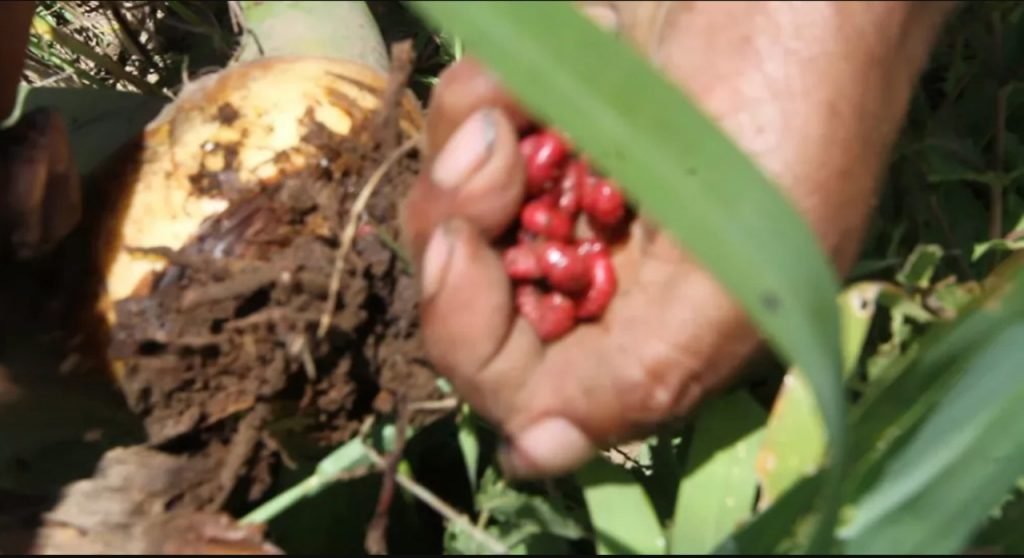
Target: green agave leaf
915 383
680 169
1003 534
717 494
622 515
936 491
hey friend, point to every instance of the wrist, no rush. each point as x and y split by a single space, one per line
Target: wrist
815 92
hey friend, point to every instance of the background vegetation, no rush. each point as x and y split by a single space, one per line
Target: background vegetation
889 425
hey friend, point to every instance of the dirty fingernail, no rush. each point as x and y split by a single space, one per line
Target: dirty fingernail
466 151
435 260
551 447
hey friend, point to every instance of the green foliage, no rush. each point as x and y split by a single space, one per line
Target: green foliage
968 451
928 341
525 522
149 48
692 179
623 517
917 366
718 490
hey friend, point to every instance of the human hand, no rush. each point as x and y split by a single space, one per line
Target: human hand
814 92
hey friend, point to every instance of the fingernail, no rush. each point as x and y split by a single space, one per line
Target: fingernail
552 446
435 260
605 16
466 151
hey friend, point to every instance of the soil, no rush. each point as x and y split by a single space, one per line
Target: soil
227 340
223 361
95 517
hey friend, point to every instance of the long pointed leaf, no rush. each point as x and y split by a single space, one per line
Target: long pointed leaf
718 495
779 527
680 169
916 383
620 511
794 439
957 467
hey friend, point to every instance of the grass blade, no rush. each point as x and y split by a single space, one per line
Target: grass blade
915 384
968 452
50 32
717 494
779 527
681 170
620 511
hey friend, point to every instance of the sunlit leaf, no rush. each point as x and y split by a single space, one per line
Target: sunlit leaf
717 493
794 440
622 515
917 271
1013 241
779 527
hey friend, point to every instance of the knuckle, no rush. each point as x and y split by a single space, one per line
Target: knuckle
663 385
448 95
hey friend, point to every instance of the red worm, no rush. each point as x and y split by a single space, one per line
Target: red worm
565 269
571 186
591 246
522 262
580 275
551 315
538 217
603 284
543 153
603 202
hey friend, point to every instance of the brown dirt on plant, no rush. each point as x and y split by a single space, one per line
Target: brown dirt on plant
222 360
122 510
226 343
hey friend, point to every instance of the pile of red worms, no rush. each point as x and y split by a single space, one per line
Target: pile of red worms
560 263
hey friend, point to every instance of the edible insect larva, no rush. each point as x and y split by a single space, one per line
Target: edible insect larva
560 279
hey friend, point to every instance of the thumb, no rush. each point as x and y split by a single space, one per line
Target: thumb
467 310
550 447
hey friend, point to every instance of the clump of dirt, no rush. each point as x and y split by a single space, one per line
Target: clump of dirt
238 334
121 510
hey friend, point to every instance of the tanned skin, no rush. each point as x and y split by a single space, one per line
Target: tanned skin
814 92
